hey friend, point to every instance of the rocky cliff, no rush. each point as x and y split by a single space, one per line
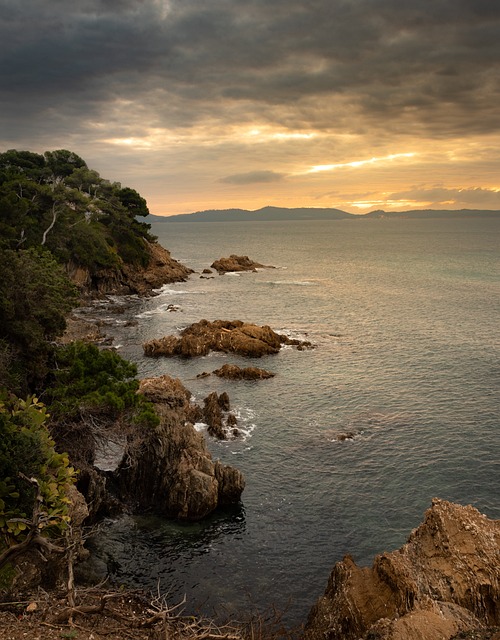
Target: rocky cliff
444 580
169 469
131 279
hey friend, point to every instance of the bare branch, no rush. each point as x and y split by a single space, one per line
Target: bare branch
49 228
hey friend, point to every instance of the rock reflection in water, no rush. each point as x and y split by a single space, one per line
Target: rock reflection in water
154 553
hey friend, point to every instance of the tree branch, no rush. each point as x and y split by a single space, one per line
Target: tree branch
33 537
49 228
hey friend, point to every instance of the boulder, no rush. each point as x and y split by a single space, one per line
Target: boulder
445 580
233 372
229 336
237 263
169 469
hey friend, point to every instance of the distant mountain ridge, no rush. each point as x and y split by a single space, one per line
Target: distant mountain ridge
312 213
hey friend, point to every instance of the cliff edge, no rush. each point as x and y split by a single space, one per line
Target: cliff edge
129 278
443 581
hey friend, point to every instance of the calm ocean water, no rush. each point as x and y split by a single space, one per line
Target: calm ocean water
404 315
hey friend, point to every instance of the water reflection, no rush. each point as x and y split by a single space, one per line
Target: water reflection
150 551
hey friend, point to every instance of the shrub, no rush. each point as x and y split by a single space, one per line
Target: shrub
87 379
26 448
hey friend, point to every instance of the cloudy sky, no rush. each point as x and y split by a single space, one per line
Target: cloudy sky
199 104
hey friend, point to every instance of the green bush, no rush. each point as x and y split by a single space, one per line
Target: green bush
35 296
87 379
27 448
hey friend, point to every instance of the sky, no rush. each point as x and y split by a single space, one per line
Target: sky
215 104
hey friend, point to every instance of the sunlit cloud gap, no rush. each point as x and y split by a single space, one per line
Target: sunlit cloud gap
358 163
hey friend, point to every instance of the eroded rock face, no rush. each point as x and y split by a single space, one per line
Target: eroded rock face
237 263
444 580
230 336
162 269
221 424
169 469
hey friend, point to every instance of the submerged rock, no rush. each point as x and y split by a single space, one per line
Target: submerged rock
233 372
230 336
169 469
237 263
443 581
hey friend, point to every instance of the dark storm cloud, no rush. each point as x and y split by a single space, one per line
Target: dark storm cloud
390 64
253 177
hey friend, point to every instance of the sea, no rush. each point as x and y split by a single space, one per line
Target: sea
345 448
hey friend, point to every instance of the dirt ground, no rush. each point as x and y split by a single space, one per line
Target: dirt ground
131 616
100 615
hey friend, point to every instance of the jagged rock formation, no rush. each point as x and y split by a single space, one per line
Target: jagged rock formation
216 414
230 336
131 279
233 372
237 263
169 470
444 580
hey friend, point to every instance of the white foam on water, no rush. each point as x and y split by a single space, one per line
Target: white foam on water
246 425
293 283
166 290
162 308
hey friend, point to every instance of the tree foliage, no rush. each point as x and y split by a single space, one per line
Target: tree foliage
55 210
56 213
35 296
55 200
90 380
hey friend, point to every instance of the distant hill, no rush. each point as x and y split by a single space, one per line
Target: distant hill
312 213
434 213
266 213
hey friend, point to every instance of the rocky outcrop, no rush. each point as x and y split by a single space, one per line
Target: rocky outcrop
169 469
131 279
216 412
162 269
237 263
233 372
445 580
230 336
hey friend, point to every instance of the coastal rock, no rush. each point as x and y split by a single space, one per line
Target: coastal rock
216 416
237 263
131 279
169 469
233 372
445 580
229 336
162 269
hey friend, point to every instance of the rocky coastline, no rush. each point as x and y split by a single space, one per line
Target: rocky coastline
130 279
443 584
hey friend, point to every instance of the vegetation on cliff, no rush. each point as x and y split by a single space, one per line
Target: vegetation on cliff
57 216
66 233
